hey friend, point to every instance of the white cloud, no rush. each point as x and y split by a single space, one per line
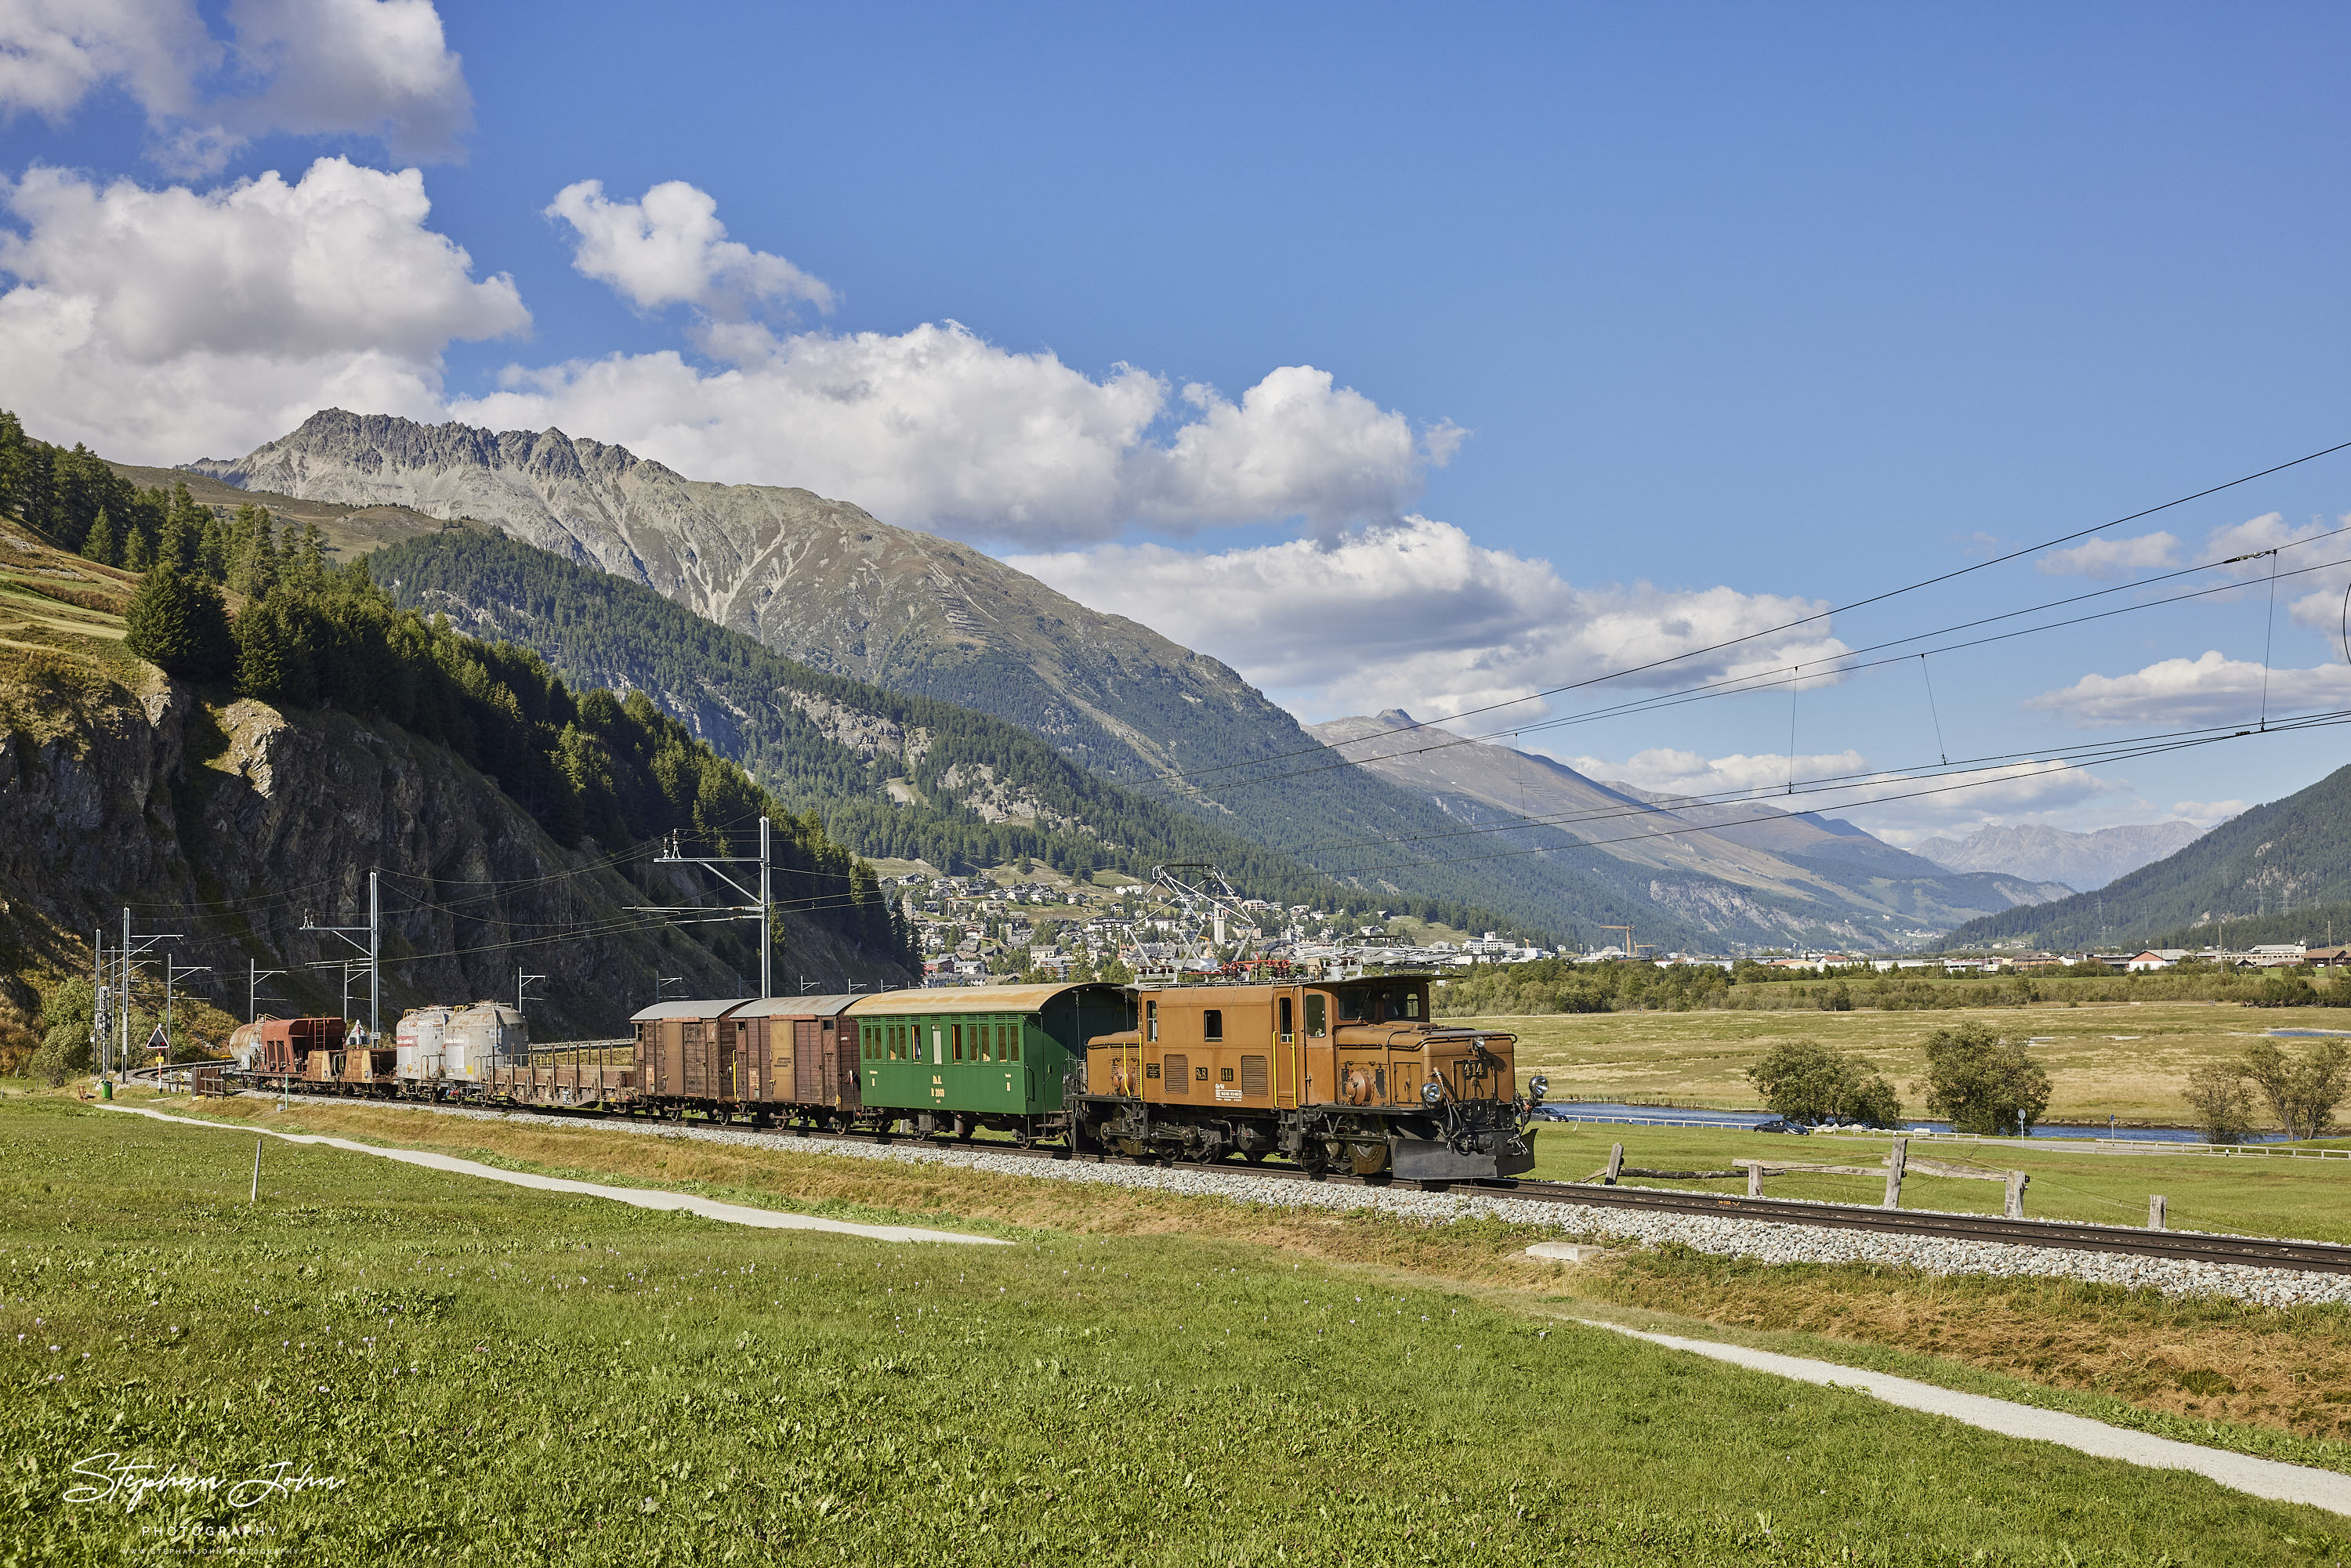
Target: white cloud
2208 813
1665 770
669 248
2096 557
938 428
2186 693
379 68
55 53
371 67
161 325
1415 614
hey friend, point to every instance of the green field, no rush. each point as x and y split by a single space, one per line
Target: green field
2126 1060
497 1375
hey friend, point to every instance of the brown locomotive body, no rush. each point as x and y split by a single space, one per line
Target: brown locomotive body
1351 1074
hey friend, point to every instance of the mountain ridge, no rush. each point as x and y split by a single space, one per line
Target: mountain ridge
2289 853
1749 874
2085 862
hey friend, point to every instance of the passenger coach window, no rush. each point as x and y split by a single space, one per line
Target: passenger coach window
956 1033
1012 1042
1315 1004
1212 1024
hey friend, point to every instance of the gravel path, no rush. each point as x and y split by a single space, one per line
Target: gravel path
1769 1242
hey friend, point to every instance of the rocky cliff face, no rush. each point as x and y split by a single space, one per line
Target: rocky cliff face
232 823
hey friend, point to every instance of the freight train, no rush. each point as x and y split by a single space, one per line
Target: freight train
1350 1075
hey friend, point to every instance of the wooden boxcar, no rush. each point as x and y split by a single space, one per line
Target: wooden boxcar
800 1059
685 1054
1350 1073
958 1059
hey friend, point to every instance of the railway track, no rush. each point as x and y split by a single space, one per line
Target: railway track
2187 1246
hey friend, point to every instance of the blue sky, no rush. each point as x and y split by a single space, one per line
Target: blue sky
1660 319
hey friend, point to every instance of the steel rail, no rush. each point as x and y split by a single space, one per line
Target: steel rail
2081 1236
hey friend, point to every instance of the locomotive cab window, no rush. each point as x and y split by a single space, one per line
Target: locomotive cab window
1288 1021
1212 1024
1151 1020
1316 1005
1412 1004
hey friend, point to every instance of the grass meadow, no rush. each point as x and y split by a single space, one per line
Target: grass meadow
2125 1059
491 1374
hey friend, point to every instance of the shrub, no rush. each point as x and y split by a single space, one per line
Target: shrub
2303 1093
1805 1081
1983 1082
2223 1108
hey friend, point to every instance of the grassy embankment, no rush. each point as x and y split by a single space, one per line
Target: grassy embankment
737 1406
2125 1059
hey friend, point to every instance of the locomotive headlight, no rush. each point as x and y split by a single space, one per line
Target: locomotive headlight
1538 1086
1432 1092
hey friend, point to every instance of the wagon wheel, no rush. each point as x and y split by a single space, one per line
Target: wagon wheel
964 1129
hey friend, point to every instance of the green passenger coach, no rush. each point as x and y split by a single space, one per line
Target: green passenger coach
958 1060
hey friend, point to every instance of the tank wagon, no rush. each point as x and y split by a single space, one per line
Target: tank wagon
1349 1075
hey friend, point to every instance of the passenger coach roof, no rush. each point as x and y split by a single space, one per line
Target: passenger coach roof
707 1008
959 999
798 1007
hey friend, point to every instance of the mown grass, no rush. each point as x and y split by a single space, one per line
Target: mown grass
498 1375
2126 1059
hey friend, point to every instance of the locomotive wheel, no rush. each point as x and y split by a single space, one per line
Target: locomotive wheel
1368 1159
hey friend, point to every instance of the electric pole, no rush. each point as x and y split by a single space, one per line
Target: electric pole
254 974
371 948
763 911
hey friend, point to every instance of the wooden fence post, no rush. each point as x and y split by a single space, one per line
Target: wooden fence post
1615 1162
2156 1212
1755 1181
2014 1209
1893 1164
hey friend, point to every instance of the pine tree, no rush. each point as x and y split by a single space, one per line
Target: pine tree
101 546
179 623
138 551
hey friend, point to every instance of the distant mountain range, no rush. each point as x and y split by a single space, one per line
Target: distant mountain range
2082 862
2289 856
1747 874
839 593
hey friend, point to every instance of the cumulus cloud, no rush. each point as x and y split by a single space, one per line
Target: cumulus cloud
938 428
378 68
669 248
2095 557
1418 614
2186 693
160 325
2208 813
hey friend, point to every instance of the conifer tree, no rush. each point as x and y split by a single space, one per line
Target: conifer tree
137 551
100 544
178 622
